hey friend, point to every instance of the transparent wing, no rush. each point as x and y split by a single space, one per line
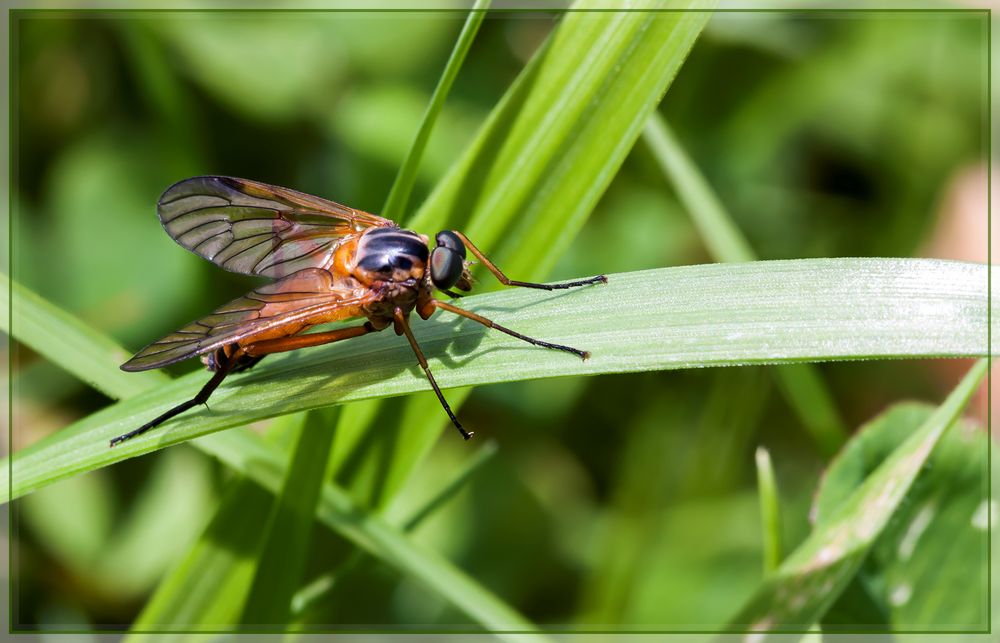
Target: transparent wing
258 229
282 308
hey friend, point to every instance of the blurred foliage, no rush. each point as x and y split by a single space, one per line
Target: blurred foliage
945 519
853 517
613 501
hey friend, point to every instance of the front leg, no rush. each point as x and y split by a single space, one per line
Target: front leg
505 280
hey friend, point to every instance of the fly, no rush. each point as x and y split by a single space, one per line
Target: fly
329 262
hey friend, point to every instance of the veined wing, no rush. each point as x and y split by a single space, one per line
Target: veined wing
255 228
309 297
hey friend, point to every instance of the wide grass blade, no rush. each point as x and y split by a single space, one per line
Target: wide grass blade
693 316
819 569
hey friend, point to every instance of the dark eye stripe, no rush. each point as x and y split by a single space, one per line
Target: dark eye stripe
394 242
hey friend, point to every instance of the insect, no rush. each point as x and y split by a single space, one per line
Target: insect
330 262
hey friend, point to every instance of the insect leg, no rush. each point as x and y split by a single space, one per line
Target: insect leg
282 344
505 280
200 398
401 322
245 363
489 323
255 350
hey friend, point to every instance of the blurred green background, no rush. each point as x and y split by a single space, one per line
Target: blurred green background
617 500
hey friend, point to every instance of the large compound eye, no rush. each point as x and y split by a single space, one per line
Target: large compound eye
448 239
446 266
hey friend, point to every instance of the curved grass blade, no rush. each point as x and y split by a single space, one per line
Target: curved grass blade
801 384
819 569
694 316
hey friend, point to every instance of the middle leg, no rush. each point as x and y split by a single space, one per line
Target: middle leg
401 324
283 344
489 323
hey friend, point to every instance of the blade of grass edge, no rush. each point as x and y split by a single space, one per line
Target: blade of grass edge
819 569
801 384
716 315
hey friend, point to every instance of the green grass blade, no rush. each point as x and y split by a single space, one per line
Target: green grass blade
770 510
282 559
207 589
399 195
248 454
819 569
692 316
555 141
69 343
801 385
930 567
933 287
315 590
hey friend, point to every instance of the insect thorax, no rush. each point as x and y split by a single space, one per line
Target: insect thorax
390 255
